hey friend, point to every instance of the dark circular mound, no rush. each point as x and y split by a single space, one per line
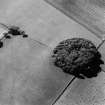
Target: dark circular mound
77 56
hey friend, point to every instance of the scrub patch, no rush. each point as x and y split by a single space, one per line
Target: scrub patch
78 57
15 31
12 31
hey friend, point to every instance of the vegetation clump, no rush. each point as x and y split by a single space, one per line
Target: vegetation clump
78 57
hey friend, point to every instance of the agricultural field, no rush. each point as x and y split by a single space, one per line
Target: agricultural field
27 74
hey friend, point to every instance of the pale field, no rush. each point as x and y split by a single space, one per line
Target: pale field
27 75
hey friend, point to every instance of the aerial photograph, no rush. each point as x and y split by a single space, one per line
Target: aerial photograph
52 52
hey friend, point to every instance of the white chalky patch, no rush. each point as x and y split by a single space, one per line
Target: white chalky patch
1 32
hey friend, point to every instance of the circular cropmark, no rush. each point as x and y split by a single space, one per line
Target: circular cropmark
78 57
